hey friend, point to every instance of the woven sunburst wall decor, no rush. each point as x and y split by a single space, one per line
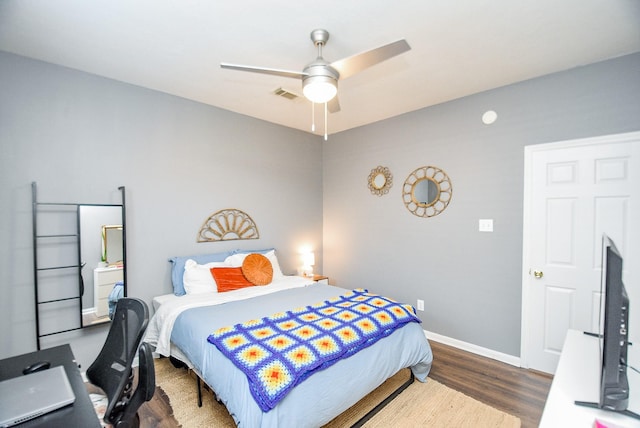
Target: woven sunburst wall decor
228 225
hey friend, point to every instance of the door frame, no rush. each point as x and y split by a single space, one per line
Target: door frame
526 224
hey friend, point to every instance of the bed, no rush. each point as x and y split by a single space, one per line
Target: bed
182 325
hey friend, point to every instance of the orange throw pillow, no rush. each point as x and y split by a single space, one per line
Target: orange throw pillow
229 278
257 269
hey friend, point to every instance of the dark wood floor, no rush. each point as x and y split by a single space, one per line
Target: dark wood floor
519 392
157 412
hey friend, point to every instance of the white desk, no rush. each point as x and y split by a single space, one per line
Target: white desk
578 378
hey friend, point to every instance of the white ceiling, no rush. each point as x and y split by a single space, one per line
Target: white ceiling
459 47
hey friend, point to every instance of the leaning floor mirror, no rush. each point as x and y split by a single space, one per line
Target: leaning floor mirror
102 259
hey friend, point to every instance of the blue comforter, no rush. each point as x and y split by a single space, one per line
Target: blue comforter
320 397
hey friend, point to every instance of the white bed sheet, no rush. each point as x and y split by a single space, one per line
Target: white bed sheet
170 307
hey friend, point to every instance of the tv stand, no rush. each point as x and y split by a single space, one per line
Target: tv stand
578 378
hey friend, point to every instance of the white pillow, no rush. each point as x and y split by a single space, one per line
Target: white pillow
197 278
237 259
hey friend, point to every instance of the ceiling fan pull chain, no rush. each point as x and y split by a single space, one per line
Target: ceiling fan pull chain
313 117
325 121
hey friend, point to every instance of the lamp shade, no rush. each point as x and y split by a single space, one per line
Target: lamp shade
309 259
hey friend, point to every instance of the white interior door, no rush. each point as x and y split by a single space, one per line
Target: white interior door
574 192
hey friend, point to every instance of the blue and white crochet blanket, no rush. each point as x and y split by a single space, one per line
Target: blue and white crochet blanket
280 351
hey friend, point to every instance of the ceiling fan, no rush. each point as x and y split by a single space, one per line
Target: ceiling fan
320 78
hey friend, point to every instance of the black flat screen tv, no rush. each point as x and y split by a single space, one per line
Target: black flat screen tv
614 386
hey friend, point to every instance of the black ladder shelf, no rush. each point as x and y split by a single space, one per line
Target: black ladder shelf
57 264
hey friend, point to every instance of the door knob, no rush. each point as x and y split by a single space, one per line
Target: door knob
538 274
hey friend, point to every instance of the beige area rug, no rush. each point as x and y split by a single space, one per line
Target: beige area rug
421 404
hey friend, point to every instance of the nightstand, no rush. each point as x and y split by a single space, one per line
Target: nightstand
321 279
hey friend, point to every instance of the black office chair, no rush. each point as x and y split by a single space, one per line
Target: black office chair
112 370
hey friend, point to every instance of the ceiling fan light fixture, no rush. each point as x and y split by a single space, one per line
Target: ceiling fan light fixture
319 89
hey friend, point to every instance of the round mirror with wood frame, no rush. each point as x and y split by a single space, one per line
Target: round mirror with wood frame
427 191
380 180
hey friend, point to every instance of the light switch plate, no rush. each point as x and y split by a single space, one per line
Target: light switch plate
485 225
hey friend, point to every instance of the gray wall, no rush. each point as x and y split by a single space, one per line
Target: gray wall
80 137
470 281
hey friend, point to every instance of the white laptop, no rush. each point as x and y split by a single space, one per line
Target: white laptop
29 396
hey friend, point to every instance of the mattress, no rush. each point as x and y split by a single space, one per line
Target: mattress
159 300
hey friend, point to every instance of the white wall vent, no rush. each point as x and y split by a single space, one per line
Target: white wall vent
281 92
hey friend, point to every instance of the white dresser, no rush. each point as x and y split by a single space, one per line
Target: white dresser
578 378
103 281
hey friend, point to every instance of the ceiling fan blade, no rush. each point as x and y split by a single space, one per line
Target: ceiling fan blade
334 105
349 66
263 70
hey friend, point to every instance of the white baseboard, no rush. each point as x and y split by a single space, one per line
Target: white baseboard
474 349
